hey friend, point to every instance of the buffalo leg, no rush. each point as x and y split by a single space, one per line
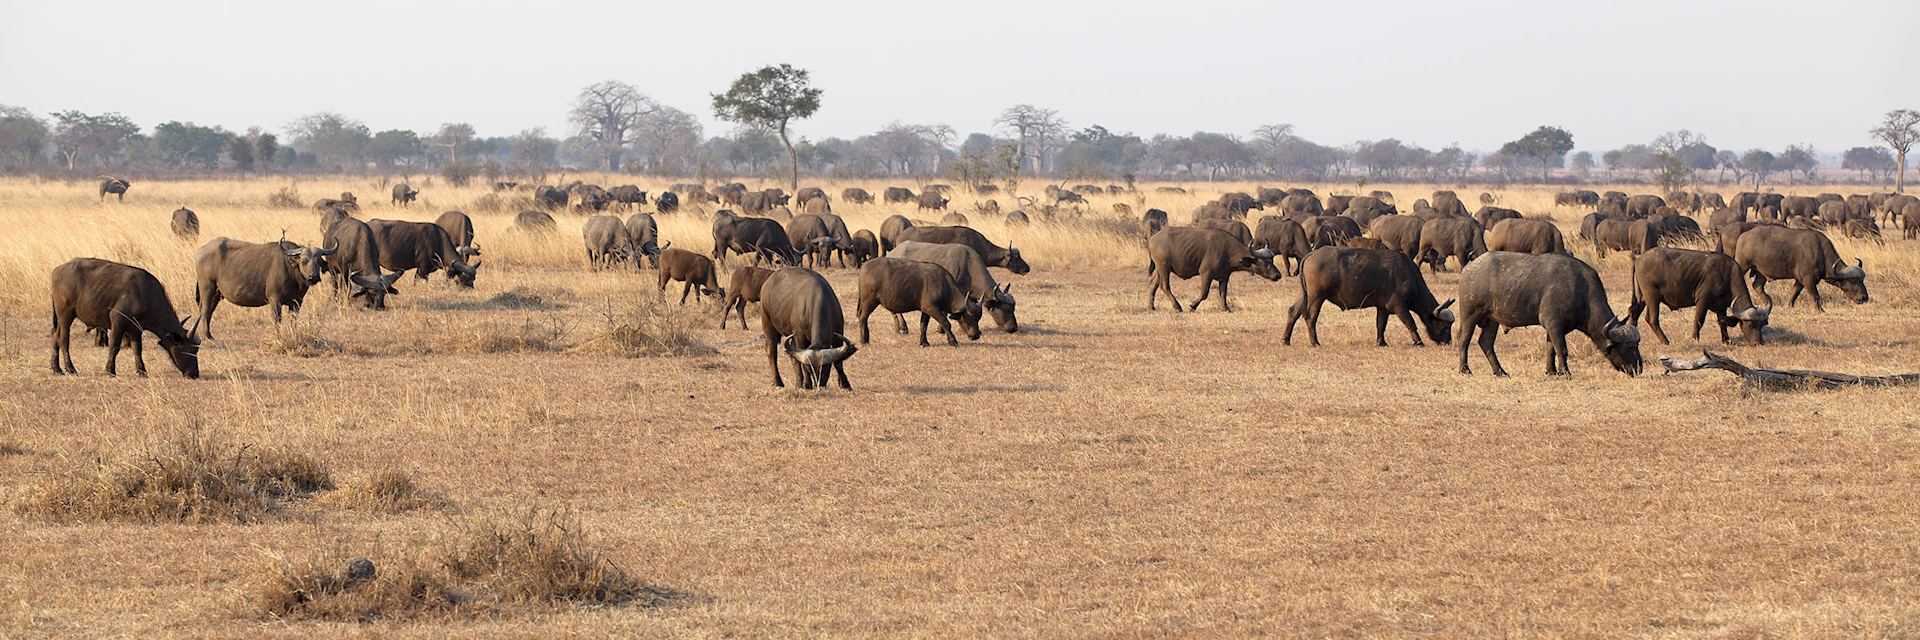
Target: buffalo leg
1719 319
1206 289
1813 289
1489 331
1700 321
1313 321
773 352
63 343
1557 355
1406 318
946 327
1794 299
1653 324
1162 279
1760 287
1463 336
139 352
1223 294
865 310
116 335
1380 327
1293 316
840 369
203 324
900 323
684 291
923 328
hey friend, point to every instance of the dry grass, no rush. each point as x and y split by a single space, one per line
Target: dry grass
192 477
387 492
1105 472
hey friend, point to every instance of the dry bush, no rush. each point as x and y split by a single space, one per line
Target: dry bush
304 335
517 298
192 477
532 559
286 197
534 334
386 492
649 328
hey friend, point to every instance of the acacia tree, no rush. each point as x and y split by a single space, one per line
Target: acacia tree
335 138
77 134
1757 163
1899 131
455 137
1546 147
771 98
22 136
1872 161
605 112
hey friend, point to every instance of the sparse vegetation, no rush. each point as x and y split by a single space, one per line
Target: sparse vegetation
194 477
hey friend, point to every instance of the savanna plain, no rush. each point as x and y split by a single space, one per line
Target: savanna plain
560 452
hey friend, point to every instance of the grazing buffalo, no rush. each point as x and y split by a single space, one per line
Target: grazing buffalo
1006 258
862 247
931 200
700 195
550 197
273 274
1386 280
1580 198
1644 205
423 247
1643 235
608 242
593 198
1447 203
1151 223
1791 206
1285 238
1613 203
1330 231
186 224
1724 216
404 194
1614 233
535 222
903 285
762 237
330 217
1520 235
1238 203
897 195
800 314
1270 197
1805 257
1399 233
1234 228
1684 201
809 234
1910 221
1337 204
627 196
645 234
954 219
809 194
115 186
1363 210
120 301
1711 200
1451 237
730 193
327 204
1553 291
1703 280
680 265
1301 206
1833 212
890 230
1676 227
1212 255
355 264
1489 216
459 228
667 202
969 271
856 195
743 287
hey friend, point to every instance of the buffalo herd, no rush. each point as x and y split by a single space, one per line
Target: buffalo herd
1358 251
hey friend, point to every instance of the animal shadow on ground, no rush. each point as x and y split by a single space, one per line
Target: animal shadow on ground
969 390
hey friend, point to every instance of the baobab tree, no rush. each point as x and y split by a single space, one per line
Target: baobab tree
605 112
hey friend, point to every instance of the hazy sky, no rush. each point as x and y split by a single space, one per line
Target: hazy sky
1478 72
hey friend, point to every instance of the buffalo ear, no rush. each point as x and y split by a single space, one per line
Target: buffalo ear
1246 261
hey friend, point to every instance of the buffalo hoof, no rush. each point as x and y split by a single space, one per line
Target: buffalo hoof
1499 373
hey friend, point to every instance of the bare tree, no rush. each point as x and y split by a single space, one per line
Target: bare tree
604 112
1036 132
1899 131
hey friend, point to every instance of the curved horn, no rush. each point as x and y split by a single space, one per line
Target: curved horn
1444 313
1618 331
1752 314
1264 254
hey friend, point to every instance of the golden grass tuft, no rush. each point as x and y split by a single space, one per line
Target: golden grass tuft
648 327
529 560
386 492
192 477
286 197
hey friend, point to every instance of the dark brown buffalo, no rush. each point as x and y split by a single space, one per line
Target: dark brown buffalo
1234 228
763 238
1212 255
1385 280
119 301
901 285
1212 211
931 201
667 202
1006 258
1489 216
645 234
1910 221
1364 209
1644 205
800 314
459 227
1676 227
550 197
1553 291
1614 234
608 243
809 235
1703 280
970 272
185 224
423 247
856 195
890 231
1330 231
1520 235
1643 236
1724 216
742 288
1239 203
1711 200
863 247
897 195
325 204
1399 233
1833 212
1613 203
1337 204
1729 235
1805 257
354 267
691 268
1791 206
1270 197
731 193
627 196
1590 225
1447 203
1018 218
404 194
1367 243
535 222
809 193
1151 223
273 274
1300 206
1684 201
1285 238
116 186
1451 237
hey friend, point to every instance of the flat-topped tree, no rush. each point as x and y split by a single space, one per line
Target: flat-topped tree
771 98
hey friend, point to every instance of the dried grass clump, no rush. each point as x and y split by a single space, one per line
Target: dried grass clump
542 334
533 559
193 477
387 492
304 337
649 328
285 198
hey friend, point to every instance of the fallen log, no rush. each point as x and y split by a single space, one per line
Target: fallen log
1785 379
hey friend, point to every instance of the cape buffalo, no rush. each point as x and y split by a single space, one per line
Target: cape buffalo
931 200
800 314
645 234
330 217
895 195
1791 206
667 202
186 224
1330 231
890 231
863 247
1300 206
459 227
1018 218
762 237
1805 257
115 186
903 285
1364 209
1337 204
691 268
742 288
1006 258
355 264
423 247
1399 233
856 195
404 194
274 274
1239 203
809 235
1285 238
954 219
550 197
1456 237
1489 216
1234 228
608 242
808 194
1614 233
1556 292
535 222
627 196
1447 203
1703 280
1520 235
1386 280
120 301
969 271
1212 255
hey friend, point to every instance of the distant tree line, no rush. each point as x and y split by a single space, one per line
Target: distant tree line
615 127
